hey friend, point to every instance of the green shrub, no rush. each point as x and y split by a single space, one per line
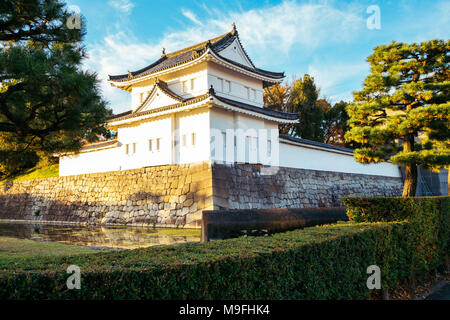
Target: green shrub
428 219
327 262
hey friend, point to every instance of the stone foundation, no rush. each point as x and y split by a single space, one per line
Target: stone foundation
170 196
243 186
176 195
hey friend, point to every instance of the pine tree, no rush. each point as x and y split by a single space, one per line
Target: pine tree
47 103
335 124
304 95
402 113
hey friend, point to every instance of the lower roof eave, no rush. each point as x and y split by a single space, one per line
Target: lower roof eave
315 145
206 100
256 114
91 147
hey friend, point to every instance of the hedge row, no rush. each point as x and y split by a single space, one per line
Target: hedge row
428 217
327 262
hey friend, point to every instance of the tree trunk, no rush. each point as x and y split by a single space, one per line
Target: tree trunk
409 188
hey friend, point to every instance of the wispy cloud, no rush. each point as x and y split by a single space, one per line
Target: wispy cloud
125 6
191 16
269 31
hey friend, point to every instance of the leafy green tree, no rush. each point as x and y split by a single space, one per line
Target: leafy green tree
277 97
304 95
402 112
48 103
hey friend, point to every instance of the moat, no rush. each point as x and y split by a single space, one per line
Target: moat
99 237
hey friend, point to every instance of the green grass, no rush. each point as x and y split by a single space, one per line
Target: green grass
13 249
190 253
182 232
37 173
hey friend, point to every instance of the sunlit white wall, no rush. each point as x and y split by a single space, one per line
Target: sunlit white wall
296 156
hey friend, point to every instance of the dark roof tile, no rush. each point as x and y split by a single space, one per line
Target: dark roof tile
315 143
185 55
266 111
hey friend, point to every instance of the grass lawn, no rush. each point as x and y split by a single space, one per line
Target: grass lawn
13 249
36 173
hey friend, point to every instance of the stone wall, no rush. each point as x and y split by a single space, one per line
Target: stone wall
243 186
176 195
172 195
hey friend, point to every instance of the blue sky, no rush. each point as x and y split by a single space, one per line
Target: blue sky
328 39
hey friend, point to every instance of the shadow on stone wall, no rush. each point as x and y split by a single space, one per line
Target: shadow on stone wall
164 196
244 186
142 208
176 195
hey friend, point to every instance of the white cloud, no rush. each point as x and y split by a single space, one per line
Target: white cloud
125 6
191 16
289 23
269 31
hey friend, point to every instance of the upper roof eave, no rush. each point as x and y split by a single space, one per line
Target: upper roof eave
190 54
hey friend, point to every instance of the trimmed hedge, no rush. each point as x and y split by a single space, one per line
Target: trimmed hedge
429 221
327 262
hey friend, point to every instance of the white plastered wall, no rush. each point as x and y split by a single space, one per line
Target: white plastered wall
243 88
194 123
236 53
197 74
137 137
90 162
250 144
301 157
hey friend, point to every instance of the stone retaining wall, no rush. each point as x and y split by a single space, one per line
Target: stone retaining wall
243 186
173 195
176 195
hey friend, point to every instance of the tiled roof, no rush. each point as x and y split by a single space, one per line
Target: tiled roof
165 88
119 115
179 57
130 114
315 143
211 93
266 111
100 144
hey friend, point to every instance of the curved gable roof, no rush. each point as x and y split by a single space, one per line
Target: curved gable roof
162 87
191 53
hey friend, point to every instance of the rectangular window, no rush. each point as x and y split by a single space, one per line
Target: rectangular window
183 140
134 147
158 143
184 86
247 89
192 84
227 86
150 145
254 94
269 148
127 149
193 139
220 88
